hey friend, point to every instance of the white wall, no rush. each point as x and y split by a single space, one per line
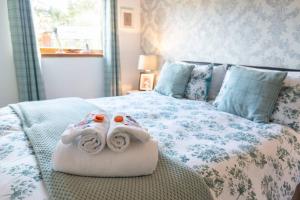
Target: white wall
73 77
130 48
8 85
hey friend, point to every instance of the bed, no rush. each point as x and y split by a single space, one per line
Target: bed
238 158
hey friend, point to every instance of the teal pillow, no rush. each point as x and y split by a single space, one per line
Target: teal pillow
250 93
173 79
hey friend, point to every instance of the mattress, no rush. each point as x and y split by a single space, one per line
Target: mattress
239 159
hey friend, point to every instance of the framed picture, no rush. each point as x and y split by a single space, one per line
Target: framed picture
127 18
146 81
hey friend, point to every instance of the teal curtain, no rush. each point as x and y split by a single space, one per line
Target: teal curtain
25 53
111 49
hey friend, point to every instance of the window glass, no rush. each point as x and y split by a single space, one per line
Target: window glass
69 24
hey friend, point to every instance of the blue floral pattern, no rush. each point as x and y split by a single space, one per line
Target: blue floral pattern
199 83
20 176
287 109
256 32
238 158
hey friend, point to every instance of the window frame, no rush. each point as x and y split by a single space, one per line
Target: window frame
54 52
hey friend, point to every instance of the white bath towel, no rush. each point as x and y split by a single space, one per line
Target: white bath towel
139 159
89 135
121 132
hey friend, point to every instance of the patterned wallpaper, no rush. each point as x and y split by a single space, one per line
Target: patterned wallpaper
253 32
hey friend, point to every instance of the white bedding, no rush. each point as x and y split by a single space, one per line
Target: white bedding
238 158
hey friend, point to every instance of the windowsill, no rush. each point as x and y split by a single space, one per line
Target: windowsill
52 52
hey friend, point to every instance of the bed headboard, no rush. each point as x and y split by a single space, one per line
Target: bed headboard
258 67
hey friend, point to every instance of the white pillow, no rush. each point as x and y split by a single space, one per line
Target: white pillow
287 108
218 75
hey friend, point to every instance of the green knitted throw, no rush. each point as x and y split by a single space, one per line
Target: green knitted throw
43 123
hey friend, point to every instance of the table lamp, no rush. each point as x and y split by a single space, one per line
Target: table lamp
147 63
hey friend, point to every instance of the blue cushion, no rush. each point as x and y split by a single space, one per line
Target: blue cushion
250 93
173 79
198 86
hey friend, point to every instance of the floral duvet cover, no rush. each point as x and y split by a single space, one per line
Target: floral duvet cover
239 159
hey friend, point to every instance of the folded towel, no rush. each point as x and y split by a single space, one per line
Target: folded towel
122 129
139 159
89 135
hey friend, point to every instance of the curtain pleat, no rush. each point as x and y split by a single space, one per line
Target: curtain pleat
25 52
111 49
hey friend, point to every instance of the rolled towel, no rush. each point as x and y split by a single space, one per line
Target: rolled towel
89 135
122 129
139 159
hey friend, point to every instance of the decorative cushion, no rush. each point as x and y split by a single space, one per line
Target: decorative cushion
198 86
250 93
173 79
218 75
287 108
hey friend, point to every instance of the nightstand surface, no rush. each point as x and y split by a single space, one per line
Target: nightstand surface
134 91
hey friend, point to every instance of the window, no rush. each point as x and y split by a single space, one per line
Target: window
69 27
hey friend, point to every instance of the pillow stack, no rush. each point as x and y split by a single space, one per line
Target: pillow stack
195 82
255 94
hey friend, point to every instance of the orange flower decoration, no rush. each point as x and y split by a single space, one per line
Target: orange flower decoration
99 118
119 118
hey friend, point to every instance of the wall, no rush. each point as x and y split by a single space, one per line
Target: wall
130 48
8 86
73 77
256 32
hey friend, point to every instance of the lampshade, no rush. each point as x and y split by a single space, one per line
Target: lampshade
147 62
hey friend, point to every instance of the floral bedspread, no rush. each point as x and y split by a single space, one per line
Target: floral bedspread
239 159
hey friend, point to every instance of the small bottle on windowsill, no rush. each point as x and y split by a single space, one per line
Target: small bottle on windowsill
87 48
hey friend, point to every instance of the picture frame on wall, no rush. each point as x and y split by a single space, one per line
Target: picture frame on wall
146 81
127 18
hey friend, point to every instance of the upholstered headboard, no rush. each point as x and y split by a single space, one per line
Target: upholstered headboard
258 67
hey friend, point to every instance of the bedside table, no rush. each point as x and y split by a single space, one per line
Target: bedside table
133 91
